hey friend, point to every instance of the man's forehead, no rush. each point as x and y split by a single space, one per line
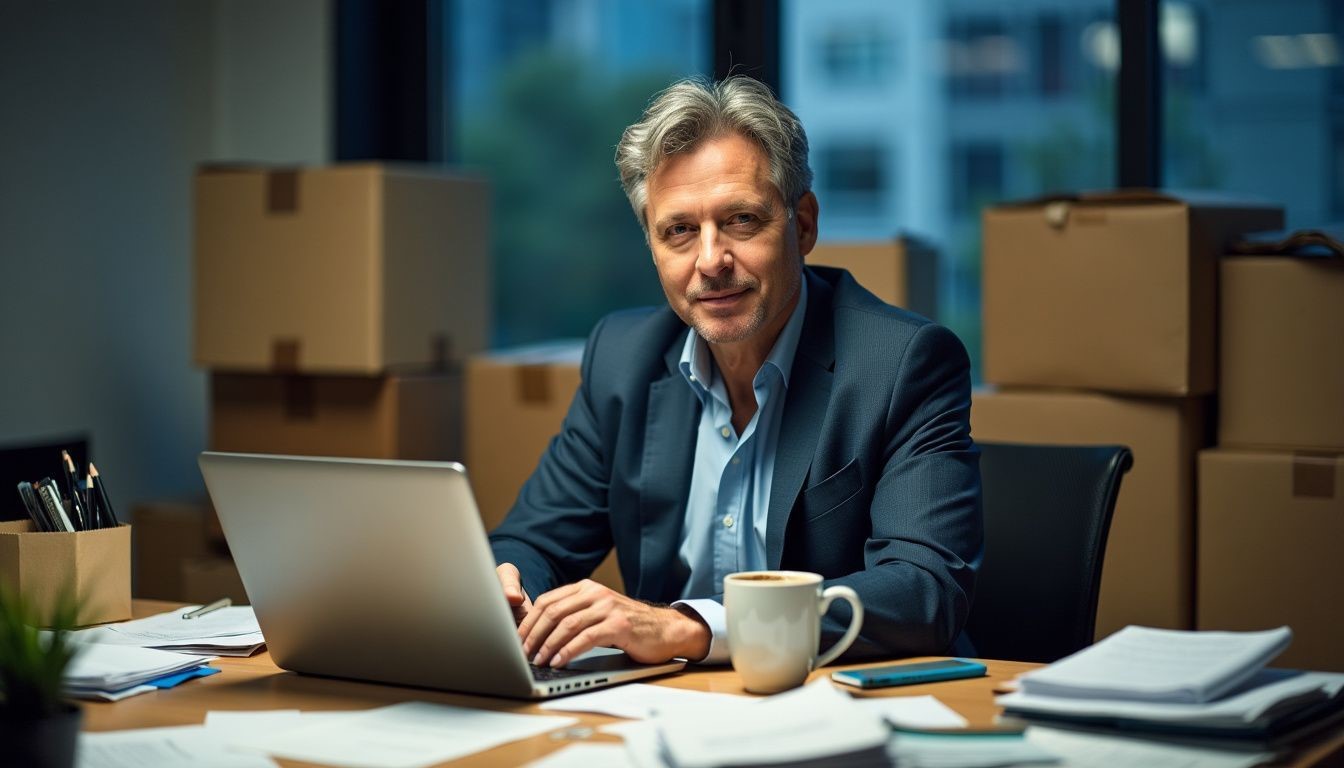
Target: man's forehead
729 171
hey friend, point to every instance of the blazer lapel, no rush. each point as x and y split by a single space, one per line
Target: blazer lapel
669 455
804 410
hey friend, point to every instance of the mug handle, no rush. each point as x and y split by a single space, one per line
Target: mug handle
828 595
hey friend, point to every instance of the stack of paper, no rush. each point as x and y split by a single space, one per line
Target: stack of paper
1160 665
225 632
113 672
1193 683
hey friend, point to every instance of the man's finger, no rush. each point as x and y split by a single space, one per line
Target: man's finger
582 643
540 607
566 629
511 581
545 618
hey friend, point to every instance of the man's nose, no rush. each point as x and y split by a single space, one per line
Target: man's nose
714 256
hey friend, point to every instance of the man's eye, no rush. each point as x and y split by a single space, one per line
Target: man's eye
741 219
677 230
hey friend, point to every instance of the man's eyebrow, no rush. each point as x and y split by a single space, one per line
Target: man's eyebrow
759 207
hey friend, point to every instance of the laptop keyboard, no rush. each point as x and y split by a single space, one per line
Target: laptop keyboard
543 674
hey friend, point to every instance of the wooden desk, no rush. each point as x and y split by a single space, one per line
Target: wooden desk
257 684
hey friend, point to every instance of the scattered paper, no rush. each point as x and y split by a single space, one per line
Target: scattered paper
162 748
971 750
623 727
913 711
641 700
1085 749
815 723
231 631
585 756
402 735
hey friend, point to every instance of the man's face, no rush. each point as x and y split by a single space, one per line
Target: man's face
728 255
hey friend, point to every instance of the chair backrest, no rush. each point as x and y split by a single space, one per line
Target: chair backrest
1047 513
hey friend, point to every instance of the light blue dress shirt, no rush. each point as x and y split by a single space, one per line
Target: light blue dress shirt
724 530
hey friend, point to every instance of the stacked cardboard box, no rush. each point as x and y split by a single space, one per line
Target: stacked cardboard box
1100 315
334 309
1271 495
516 402
902 271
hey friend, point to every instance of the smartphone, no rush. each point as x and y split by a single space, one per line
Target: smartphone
909 674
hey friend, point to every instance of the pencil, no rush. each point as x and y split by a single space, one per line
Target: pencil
78 503
94 510
104 504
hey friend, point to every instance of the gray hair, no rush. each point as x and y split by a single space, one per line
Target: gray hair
694 110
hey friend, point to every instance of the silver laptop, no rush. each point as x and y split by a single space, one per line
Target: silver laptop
380 570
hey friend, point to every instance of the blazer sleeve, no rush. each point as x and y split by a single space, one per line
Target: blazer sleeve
557 531
927 521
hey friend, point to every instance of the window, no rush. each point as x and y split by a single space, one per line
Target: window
1252 101
855 54
990 101
539 92
854 176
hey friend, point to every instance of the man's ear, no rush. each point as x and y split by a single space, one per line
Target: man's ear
806 221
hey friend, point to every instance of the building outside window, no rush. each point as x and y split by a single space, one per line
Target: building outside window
539 92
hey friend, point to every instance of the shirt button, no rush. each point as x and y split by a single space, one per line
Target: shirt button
727 521
692 378
726 432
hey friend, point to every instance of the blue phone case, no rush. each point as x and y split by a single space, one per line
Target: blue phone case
909 674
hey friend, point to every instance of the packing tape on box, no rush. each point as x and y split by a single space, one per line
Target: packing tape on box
285 355
300 398
282 191
1314 475
533 383
440 349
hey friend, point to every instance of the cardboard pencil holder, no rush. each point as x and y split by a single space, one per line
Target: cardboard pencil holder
95 564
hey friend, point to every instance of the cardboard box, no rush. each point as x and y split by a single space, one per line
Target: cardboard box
42 566
207 579
166 533
1148 574
902 271
1282 379
516 403
1111 291
344 269
1270 526
383 417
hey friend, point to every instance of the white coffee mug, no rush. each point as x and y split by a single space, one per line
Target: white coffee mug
774 626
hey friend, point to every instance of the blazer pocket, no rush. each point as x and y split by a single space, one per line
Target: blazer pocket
832 492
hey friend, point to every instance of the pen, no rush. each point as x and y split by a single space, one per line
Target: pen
95 516
104 504
78 503
222 602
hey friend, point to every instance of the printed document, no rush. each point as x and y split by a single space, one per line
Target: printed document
1141 663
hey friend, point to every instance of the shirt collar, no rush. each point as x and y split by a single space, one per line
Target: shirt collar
697 364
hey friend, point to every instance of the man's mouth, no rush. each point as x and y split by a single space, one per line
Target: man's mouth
721 298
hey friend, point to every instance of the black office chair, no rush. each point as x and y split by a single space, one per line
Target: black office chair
1047 513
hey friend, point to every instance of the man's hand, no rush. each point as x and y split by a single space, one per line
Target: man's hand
512 583
573 619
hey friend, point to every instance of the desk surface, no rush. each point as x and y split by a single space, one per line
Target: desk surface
257 684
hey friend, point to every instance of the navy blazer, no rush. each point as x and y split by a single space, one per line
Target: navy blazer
876 484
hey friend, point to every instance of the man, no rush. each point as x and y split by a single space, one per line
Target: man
771 416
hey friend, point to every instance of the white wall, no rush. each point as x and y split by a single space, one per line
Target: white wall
107 108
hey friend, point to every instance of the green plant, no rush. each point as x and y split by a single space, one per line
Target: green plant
33 662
